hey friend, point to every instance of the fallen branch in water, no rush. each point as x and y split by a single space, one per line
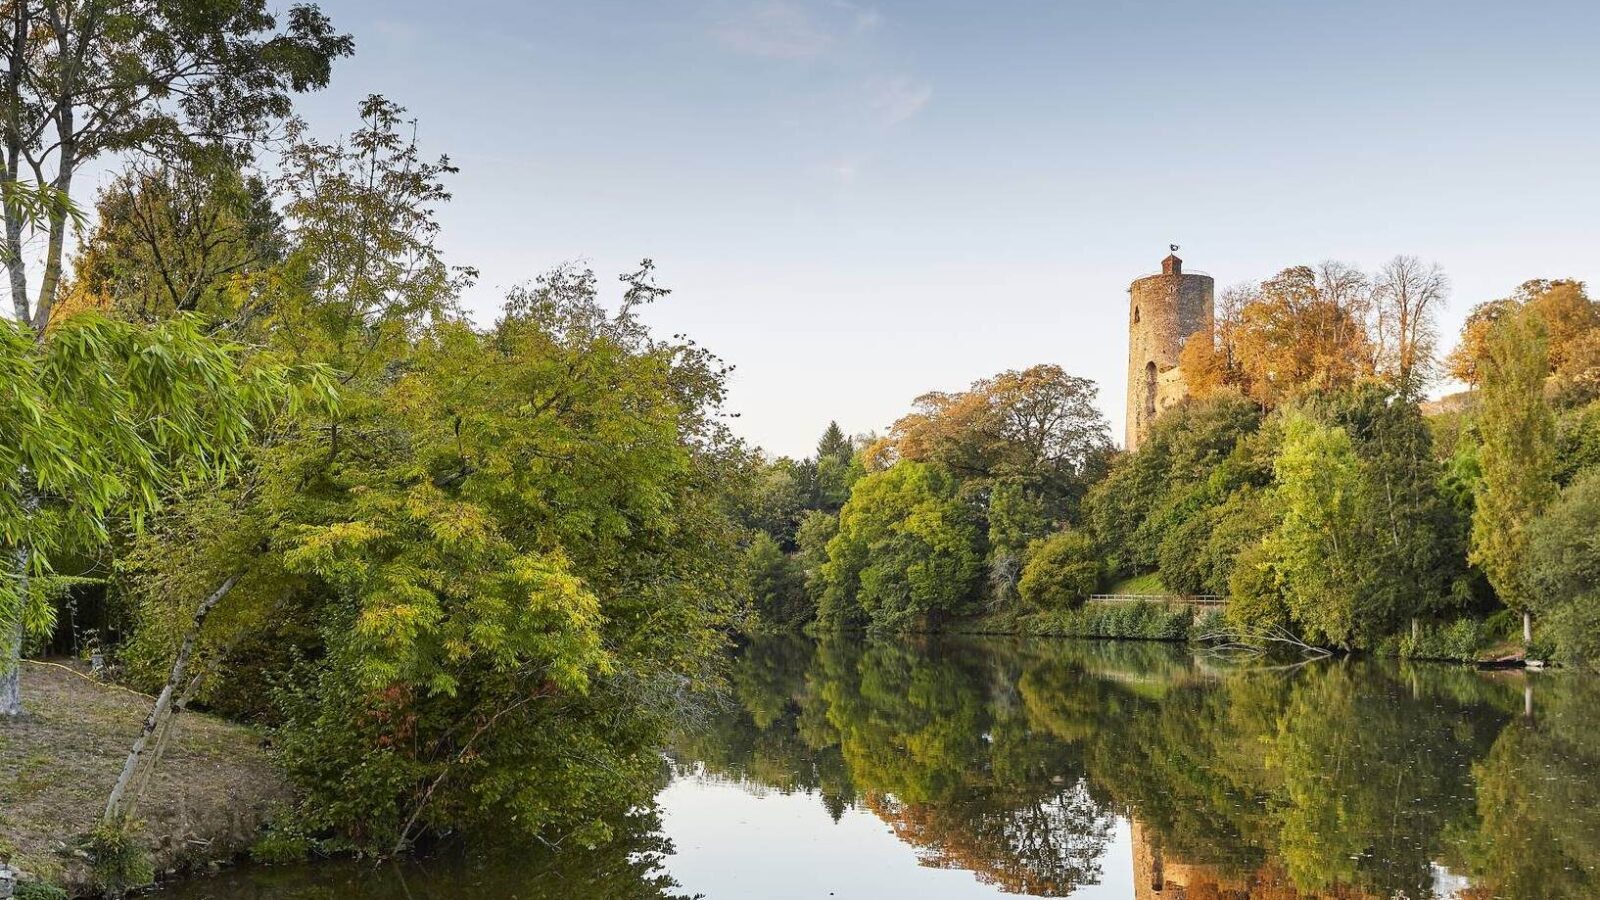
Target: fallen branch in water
1225 641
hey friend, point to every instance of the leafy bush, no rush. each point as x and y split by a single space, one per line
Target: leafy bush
118 862
1577 442
1137 621
284 842
1462 639
1062 571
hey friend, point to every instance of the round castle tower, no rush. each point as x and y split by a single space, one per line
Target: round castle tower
1163 311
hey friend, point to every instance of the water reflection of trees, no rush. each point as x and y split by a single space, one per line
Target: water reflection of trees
627 867
1013 760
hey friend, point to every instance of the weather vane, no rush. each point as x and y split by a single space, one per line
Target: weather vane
1174 247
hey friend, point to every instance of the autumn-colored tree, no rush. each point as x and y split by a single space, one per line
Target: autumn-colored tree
1571 324
1306 327
1037 427
1296 334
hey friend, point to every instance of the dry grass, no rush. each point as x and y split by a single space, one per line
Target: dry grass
207 801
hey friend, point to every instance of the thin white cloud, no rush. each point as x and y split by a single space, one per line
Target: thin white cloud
843 170
774 29
898 99
865 18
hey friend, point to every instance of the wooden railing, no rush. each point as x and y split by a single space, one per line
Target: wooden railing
1197 599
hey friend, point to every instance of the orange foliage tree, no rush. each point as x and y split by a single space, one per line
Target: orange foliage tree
1571 322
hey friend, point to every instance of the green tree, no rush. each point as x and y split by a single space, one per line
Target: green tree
906 548
1257 605
1062 571
1317 549
1017 517
816 530
514 569
777 584
98 422
1517 437
777 499
366 270
178 236
833 470
1416 539
1564 568
85 78
1193 457
835 445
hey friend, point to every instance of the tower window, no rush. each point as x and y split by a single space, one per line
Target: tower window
1149 390
1136 315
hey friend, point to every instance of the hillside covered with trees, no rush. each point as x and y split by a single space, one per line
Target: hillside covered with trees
1303 482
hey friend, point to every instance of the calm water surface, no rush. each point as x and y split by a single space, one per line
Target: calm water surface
966 769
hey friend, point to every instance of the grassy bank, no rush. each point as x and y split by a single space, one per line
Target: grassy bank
207 801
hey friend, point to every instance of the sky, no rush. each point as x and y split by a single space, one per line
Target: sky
858 202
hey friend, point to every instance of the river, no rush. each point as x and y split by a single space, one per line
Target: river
956 768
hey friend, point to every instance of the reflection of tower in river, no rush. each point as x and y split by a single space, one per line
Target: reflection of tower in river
1156 876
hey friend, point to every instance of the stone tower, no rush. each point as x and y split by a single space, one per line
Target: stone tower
1163 311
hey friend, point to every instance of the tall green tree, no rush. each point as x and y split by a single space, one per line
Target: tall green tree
1517 439
1317 549
86 78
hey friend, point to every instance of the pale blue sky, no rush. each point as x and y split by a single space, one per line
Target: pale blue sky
859 202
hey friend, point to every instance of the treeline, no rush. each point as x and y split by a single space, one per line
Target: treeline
257 457
934 519
1301 481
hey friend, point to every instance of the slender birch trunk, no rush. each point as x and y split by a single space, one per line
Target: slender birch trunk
142 755
11 642
11 661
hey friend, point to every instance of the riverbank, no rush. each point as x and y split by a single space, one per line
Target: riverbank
1142 621
1464 641
207 802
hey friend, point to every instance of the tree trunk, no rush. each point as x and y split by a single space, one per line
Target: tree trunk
1527 629
11 673
15 258
17 266
11 643
120 804
51 279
